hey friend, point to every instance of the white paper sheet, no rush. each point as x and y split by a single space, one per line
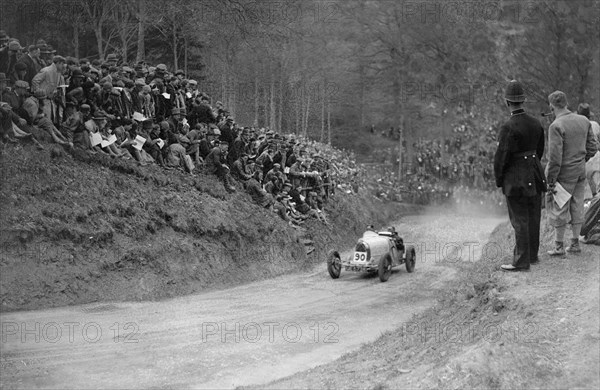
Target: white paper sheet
111 140
562 196
139 142
95 139
139 117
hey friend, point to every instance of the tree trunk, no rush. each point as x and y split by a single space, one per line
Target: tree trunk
298 110
223 90
328 121
400 147
175 63
232 97
256 99
323 97
272 104
141 47
362 95
76 39
266 107
307 115
99 41
124 51
185 56
280 107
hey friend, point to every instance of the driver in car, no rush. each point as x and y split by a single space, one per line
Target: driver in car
370 232
399 242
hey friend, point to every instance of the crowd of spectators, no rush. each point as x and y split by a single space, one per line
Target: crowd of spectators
153 116
456 169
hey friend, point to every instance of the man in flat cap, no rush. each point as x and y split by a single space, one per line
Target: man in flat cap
571 143
9 56
519 173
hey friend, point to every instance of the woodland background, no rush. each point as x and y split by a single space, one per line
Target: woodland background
331 69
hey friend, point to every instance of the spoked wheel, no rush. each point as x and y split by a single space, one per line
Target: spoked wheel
334 264
410 259
385 267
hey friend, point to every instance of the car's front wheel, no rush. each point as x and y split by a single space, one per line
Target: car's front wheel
385 267
334 264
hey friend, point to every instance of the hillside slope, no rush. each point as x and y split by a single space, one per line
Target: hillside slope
79 229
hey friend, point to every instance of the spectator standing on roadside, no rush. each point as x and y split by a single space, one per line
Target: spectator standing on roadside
571 144
592 167
518 172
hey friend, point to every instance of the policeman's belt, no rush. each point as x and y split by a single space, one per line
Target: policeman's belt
524 155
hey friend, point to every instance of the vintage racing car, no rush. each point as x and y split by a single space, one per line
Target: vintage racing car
374 252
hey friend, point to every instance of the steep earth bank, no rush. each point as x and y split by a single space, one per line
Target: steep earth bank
78 229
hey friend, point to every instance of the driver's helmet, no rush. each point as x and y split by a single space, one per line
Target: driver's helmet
392 229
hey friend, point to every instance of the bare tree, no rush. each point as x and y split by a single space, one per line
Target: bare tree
122 17
97 13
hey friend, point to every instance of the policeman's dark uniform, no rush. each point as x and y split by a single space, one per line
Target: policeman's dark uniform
519 173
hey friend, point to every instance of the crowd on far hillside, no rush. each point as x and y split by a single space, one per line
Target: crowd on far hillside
455 169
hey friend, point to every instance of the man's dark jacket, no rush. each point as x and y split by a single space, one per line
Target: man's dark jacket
32 67
517 166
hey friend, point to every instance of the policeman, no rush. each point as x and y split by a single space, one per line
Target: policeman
519 173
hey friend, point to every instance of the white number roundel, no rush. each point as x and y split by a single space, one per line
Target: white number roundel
360 256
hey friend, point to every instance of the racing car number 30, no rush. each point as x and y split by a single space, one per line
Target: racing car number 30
360 256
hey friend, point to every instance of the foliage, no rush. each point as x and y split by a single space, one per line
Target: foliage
309 67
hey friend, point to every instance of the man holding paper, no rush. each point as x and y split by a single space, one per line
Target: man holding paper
519 173
571 144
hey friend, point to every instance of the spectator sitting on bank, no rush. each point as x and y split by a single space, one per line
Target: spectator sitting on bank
216 164
276 176
265 161
294 216
206 142
228 133
202 112
240 169
258 194
156 141
239 146
34 105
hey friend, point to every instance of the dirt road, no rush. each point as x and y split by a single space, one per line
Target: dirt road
247 335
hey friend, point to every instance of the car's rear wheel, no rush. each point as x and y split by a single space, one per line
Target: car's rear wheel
334 264
385 267
410 259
